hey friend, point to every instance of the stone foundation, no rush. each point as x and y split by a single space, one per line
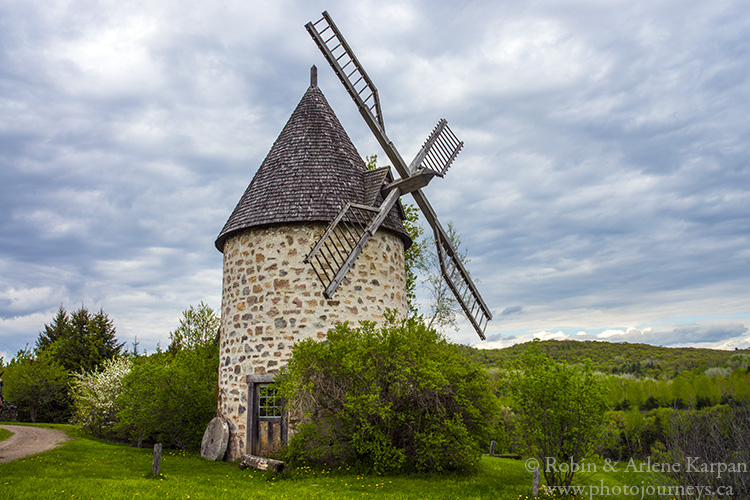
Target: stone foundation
271 300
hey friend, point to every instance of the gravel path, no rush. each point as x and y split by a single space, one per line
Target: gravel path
28 441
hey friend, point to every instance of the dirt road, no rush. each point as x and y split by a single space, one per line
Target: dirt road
28 441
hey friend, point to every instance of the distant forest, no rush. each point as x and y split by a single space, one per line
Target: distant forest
641 376
639 360
651 391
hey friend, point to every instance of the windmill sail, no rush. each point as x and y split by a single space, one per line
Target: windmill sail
341 57
438 151
461 285
437 154
344 239
358 84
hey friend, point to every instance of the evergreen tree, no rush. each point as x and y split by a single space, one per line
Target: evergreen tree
80 341
59 329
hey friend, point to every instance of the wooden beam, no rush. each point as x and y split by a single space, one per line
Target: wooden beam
261 463
416 181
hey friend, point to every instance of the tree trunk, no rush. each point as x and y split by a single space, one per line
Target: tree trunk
261 463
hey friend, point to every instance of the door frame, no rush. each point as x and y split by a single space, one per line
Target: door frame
253 414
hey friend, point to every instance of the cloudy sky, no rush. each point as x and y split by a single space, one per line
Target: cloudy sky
603 191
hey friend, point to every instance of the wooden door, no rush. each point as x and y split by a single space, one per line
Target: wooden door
268 426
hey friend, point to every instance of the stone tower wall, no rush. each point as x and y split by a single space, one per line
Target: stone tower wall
272 299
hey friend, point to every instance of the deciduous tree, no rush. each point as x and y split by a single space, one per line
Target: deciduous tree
95 396
170 397
442 307
38 386
198 326
560 410
422 269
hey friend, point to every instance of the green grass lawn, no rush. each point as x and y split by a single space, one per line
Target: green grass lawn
5 434
87 468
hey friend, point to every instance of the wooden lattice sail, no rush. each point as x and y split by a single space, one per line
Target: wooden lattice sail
337 250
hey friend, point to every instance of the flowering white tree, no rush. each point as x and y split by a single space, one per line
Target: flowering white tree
95 395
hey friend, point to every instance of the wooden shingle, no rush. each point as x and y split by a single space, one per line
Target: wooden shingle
311 171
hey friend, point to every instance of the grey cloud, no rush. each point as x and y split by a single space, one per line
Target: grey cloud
710 333
506 339
511 310
604 170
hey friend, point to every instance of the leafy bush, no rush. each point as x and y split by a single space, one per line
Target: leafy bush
391 398
560 411
38 385
170 398
95 396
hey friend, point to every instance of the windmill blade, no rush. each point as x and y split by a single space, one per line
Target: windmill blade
344 239
439 150
358 84
361 89
437 154
461 285
343 61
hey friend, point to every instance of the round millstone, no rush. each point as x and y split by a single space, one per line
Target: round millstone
215 439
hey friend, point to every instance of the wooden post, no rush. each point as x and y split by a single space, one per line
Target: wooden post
157 459
535 483
492 448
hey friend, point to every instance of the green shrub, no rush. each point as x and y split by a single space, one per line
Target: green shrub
560 411
38 385
391 398
170 398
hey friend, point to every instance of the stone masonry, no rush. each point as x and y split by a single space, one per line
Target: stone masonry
271 299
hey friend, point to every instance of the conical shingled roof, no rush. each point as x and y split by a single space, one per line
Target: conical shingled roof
311 172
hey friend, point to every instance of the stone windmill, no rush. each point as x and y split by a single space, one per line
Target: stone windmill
271 298
317 240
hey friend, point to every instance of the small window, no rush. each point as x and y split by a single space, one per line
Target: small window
269 401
